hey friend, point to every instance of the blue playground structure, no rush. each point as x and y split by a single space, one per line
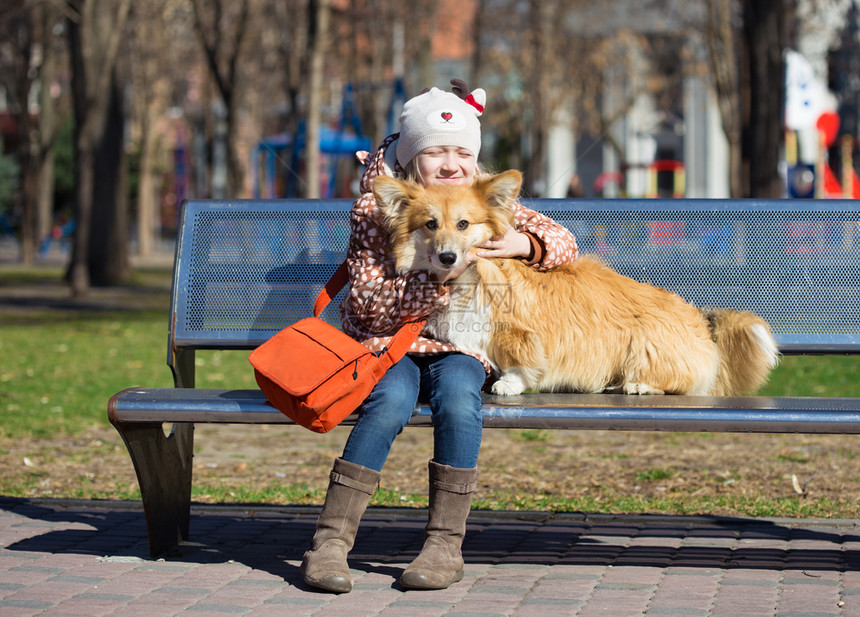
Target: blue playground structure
277 165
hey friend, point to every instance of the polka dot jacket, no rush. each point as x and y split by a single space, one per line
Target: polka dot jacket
380 301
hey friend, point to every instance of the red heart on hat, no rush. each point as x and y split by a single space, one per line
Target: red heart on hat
447 115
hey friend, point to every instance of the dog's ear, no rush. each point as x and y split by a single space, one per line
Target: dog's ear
501 190
391 195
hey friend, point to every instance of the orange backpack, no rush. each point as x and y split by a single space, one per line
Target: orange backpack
315 374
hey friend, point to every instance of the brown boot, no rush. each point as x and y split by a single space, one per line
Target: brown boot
440 562
349 491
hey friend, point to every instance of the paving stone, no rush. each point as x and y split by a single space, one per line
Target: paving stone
89 558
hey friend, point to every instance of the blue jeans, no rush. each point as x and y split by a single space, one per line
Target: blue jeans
450 383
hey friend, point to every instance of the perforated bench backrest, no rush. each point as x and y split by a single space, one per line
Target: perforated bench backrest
246 269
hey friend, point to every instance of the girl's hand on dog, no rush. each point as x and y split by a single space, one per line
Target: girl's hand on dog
512 245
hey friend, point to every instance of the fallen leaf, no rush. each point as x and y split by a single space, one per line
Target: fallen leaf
795 483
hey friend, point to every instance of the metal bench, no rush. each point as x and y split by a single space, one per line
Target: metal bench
245 269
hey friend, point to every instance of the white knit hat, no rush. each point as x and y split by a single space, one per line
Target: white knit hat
439 118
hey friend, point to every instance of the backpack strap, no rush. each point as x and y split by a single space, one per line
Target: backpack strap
400 342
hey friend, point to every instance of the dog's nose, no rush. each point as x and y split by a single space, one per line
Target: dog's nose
447 258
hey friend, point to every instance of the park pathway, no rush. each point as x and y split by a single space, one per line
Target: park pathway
90 558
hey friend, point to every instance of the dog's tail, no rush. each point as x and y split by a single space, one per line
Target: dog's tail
747 350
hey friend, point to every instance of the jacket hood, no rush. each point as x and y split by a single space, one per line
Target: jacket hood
380 163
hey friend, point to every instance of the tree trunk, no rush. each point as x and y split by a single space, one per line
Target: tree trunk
148 208
84 137
477 58
29 188
319 10
45 198
235 170
540 13
51 116
36 136
94 39
78 275
107 258
764 40
224 75
147 198
150 83
24 43
722 51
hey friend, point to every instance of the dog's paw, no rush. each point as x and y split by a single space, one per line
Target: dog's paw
632 387
508 385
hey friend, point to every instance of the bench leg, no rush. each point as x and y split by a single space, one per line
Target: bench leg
163 467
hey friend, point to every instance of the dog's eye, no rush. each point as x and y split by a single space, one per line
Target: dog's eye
431 225
462 225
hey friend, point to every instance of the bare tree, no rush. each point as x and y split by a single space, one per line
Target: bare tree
553 61
108 250
150 75
320 10
478 31
745 40
368 44
721 36
17 58
542 17
292 24
381 37
222 27
54 108
96 30
763 94
28 60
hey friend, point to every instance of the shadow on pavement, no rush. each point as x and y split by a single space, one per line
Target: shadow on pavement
273 539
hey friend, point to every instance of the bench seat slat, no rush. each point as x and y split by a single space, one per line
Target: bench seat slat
550 411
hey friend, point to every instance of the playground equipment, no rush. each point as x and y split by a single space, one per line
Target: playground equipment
277 164
676 168
276 161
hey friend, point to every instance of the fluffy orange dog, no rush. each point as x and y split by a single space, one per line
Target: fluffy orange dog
580 328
